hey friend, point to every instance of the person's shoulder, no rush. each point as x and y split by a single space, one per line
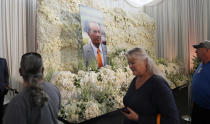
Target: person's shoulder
19 99
49 85
87 45
103 46
157 78
2 59
160 85
133 81
159 81
19 103
51 90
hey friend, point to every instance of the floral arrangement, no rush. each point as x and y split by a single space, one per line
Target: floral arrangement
89 94
173 71
93 92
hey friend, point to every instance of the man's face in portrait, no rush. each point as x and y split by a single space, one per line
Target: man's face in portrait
95 33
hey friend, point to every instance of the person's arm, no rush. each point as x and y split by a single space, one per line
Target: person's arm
164 101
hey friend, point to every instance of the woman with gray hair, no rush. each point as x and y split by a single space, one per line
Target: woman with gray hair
149 99
39 101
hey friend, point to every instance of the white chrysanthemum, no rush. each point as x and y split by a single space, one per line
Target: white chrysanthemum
92 77
84 78
119 101
81 73
72 112
92 110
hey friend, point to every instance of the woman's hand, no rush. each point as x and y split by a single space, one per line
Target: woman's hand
132 115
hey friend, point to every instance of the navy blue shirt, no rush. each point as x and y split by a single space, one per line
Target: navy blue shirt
152 98
201 86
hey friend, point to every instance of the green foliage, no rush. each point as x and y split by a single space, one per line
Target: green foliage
117 59
162 61
48 74
93 66
82 106
99 77
196 63
177 61
157 60
62 112
107 98
110 103
177 77
173 77
86 94
151 54
81 64
77 83
101 96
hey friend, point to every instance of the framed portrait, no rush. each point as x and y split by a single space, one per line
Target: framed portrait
93 36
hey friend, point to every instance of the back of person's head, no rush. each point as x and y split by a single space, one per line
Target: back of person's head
31 69
140 53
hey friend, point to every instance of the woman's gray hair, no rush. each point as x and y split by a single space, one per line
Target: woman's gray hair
140 53
31 70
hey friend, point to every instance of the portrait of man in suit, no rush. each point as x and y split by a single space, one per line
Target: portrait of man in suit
95 50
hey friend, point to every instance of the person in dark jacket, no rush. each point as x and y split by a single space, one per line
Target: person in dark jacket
149 94
4 82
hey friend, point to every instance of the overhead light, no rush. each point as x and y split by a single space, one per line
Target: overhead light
138 3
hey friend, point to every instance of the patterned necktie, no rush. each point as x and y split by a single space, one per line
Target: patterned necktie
99 60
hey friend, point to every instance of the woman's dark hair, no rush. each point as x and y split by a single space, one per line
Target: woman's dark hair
31 70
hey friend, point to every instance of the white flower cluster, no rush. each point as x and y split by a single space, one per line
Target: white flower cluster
174 73
92 110
89 94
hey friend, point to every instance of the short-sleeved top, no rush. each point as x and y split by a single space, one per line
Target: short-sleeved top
152 98
21 111
201 86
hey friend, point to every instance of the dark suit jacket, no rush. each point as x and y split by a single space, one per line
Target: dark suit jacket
89 55
4 75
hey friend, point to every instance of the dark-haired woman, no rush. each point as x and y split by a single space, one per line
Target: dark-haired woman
39 101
